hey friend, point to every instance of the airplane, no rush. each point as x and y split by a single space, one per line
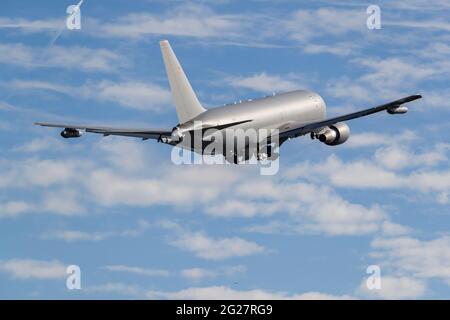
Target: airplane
291 114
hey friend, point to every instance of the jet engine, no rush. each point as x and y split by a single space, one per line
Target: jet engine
70 133
335 134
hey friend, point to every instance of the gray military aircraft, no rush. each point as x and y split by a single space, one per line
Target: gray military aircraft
292 114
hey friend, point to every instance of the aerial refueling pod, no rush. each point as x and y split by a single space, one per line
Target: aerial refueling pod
397 110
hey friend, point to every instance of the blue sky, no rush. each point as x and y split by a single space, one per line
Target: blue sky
141 227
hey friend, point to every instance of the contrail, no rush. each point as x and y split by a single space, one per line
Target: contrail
60 31
51 43
78 5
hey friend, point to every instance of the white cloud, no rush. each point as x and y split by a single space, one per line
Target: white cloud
394 229
42 85
437 99
302 24
226 293
188 186
62 201
399 157
425 24
234 270
72 57
442 198
210 248
438 51
190 20
201 21
210 293
309 207
47 25
116 288
41 144
187 20
138 95
75 235
138 270
414 257
63 184
83 58
34 172
340 217
424 5
16 54
370 139
391 78
394 71
58 202
338 49
14 208
386 170
196 274
117 148
131 94
394 288
263 82
360 174
236 208
33 269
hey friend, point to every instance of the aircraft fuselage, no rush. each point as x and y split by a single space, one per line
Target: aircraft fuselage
280 111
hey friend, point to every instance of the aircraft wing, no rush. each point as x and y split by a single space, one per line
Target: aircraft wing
146 133
303 129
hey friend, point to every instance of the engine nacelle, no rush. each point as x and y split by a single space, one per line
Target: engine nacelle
335 134
176 135
70 133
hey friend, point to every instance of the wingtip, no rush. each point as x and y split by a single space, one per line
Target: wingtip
164 42
413 97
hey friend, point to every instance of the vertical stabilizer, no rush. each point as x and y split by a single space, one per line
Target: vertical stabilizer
186 102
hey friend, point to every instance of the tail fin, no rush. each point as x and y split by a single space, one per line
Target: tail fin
186 102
